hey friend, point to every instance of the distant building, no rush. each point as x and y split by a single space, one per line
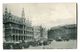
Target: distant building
43 33
40 33
16 28
37 32
64 32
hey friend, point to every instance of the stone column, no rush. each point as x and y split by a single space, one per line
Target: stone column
12 38
15 37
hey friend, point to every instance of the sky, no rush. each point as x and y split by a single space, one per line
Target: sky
46 14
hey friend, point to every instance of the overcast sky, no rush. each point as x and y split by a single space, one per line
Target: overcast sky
47 15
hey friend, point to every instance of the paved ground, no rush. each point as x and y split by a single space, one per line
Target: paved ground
71 44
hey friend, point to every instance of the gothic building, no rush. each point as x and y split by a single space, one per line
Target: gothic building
16 28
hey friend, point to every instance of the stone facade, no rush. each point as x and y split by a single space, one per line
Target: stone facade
15 28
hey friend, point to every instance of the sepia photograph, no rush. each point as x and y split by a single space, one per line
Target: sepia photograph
39 26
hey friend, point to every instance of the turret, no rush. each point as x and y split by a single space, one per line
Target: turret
6 12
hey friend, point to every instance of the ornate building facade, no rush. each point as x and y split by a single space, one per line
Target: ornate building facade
15 28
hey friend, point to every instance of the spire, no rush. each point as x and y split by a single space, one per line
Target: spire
9 13
23 14
6 11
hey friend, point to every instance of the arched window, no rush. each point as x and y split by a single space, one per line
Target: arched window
13 37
